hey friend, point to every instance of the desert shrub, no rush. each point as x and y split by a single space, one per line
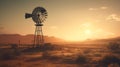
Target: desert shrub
97 54
7 56
68 60
39 48
113 46
48 46
109 59
45 54
5 65
15 49
87 51
50 56
14 46
81 59
8 64
45 47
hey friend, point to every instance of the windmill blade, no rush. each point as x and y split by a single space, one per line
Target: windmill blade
27 15
46 15
39 14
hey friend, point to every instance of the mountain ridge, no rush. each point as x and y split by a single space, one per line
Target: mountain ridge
25 39
29 38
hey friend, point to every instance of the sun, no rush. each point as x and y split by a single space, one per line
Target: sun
88 32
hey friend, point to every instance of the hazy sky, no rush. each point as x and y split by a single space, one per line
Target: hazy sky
67 19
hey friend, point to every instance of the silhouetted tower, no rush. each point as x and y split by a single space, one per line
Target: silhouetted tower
38 37
38 15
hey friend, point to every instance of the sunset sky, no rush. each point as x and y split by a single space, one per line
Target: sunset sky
72 20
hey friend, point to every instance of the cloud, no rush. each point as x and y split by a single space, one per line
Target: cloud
92 9
113 17
86 24
99 8
103 7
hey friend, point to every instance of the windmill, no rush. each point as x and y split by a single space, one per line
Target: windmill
38 15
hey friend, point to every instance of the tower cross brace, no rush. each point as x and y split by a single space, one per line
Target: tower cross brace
38 36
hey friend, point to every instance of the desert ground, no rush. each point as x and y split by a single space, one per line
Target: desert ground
67 55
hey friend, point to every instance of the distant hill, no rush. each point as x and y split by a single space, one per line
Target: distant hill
25 39
103 41
28 39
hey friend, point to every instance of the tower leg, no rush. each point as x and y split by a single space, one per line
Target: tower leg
38 36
